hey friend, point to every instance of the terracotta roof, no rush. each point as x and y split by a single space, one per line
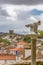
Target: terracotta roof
21 43
7 57
17 49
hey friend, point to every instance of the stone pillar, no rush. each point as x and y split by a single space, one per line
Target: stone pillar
33 52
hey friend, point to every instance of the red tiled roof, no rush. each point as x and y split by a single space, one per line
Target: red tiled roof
21 43
17 49
7 57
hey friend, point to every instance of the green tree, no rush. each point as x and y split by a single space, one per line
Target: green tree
0 40
41 33
6 42
27 39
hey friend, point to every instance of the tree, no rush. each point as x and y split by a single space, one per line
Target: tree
41 33
27 39
5 41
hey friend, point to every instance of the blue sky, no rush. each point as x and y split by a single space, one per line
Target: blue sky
17 16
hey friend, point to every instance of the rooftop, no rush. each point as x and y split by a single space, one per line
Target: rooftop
17 49
7 57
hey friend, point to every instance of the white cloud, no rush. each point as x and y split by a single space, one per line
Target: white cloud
19 7
39 7
33 18
41 17
24 7
10 11
13 10
11 18
19 13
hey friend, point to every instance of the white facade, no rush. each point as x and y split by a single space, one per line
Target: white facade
20 46
27 52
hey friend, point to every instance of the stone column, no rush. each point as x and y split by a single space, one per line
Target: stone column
33 52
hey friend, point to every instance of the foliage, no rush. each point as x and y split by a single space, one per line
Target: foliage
42 43
41 33
27 39
0 40
6 42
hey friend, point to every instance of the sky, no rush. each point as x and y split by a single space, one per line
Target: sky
15 14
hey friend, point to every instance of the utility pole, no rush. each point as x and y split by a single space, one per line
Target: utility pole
34 28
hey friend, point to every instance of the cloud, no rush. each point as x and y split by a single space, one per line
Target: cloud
3 12
26 2
33 18
21 12
16 12
17 16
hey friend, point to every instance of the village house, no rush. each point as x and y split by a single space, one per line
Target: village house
18 52
39 55
21 44
7 57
